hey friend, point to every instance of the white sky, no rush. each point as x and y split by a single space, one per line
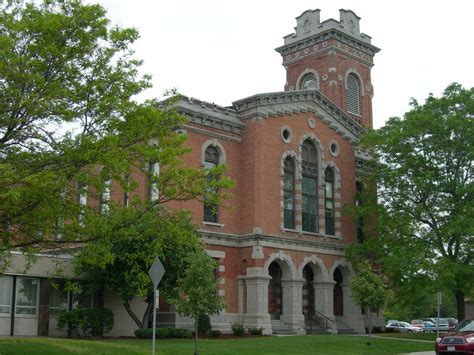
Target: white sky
220 51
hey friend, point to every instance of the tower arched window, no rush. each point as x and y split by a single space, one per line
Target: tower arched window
211 160
309 82
289 193
329 201
309 187
353 94
105 195
154 172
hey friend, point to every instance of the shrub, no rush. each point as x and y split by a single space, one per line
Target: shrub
147 333
214 333
204 324
238 329
179 333
255 331
84 322
144 333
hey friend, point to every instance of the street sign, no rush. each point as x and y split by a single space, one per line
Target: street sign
156 272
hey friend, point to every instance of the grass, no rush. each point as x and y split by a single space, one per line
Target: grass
418 336
309 344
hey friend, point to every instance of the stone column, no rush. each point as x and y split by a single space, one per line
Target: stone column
240 307
292 299
352 314
257 316
324 303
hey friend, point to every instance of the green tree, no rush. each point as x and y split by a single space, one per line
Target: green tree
368 290
423 167
120 262
68 122
198 291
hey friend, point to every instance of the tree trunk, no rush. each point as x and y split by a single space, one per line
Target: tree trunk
132 314
370 328
459 295
148 309
196 337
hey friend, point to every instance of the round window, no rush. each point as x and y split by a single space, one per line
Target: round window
286 134
334 148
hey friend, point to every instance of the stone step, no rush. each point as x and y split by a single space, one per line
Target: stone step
280 328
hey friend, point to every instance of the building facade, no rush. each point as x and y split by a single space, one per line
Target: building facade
295 160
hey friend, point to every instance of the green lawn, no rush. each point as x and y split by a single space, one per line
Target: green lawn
310 344
418 336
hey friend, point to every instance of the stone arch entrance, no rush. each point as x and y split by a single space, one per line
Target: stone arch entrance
338 294
308 292
275 292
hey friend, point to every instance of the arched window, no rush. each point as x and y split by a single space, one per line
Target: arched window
105 195
360 219
211 160
329 201
309 82
353 94
309 187
126 191
81 189
154 172
289 193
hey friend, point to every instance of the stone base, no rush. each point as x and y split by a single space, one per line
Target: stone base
258 321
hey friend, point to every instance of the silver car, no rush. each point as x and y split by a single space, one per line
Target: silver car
403 327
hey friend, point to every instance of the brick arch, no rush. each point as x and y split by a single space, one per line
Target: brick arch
345 267
286 263
319 269
337 173
307 71
215 143
361 82
292 154
319 147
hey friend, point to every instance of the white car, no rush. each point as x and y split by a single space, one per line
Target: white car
403 327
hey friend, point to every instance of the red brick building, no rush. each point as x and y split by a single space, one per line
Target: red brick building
295 160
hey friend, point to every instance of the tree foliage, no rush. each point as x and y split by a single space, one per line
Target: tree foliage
368 290
198 290
68 122
423 167
119 263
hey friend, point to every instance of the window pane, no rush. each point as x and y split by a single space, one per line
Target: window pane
5 293
57 300
289 219
289 181
26 292
328 190
308 185
289 201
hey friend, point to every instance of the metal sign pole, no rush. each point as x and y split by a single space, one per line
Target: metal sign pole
154 322
438 299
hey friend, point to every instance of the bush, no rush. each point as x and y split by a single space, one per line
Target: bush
238 329
215 333
179 333
255 331
204 324
84 322
147 333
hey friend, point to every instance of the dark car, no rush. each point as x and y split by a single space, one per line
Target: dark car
460 341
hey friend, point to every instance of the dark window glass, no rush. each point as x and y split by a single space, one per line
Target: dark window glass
309 187
329 201
289 193
211 160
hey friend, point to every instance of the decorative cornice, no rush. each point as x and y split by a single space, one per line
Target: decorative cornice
248 240
331 33
213 134
210 115
274 104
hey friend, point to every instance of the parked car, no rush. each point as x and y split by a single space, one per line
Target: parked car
417 323
429 326
402 327
443 323
453 322
461 341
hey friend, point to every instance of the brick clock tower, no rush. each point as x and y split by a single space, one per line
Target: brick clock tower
333 57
